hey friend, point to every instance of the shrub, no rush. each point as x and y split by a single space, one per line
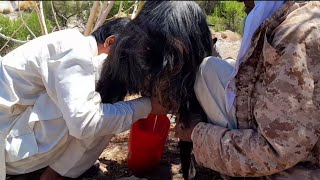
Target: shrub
228 15
67 9
8 27
217 23
115 8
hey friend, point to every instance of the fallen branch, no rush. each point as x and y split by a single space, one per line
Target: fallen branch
12 39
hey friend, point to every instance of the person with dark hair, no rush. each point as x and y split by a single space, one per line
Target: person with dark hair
50 114
107 34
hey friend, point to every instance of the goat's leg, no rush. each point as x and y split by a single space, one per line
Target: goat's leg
187 164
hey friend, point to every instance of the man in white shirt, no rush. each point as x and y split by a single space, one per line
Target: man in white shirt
50 114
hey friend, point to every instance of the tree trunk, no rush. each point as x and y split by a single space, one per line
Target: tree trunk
92 17
104 15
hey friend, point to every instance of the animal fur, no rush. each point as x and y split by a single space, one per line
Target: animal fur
158 55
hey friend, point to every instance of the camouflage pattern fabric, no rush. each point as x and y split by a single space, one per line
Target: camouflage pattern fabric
277 104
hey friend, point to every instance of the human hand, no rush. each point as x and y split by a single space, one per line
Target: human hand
157 108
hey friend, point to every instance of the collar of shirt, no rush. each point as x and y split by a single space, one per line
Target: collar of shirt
262 11
97 60
93 44
97 64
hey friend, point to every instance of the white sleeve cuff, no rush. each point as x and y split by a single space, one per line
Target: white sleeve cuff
141 108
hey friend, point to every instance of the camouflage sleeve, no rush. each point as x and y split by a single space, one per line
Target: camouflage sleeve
287 112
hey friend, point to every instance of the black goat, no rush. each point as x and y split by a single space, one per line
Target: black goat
190 111
158 54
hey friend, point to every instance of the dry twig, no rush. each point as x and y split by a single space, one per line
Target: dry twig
23 21
54 15
11 39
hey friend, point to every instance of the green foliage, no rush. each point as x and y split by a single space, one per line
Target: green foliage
78 9
207 6
125 6
66 9
217 23
228 15
8 27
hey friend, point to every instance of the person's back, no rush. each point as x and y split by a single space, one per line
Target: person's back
23 64
24 81
50 114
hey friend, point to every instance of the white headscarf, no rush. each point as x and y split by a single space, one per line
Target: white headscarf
261 11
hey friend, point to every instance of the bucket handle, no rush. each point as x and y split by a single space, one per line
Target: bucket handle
155 123
162 130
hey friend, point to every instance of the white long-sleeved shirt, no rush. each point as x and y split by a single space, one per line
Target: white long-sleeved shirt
47 92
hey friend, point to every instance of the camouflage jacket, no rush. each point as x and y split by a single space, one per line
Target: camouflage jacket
277 104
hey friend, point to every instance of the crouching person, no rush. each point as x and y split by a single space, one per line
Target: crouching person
50 114
272 128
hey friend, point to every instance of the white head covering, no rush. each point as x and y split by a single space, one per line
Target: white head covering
261 11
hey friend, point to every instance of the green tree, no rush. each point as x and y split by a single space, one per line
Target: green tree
228 15
125 6
9 26
67 9
234 14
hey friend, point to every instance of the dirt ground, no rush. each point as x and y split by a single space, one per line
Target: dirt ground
228 44
113 162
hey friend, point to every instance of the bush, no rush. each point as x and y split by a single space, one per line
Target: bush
8 27
228 15
115 8
217 23
67 9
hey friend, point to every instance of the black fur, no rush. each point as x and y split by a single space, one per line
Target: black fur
189 112
158 54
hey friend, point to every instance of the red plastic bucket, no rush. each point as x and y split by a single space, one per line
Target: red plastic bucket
147 142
